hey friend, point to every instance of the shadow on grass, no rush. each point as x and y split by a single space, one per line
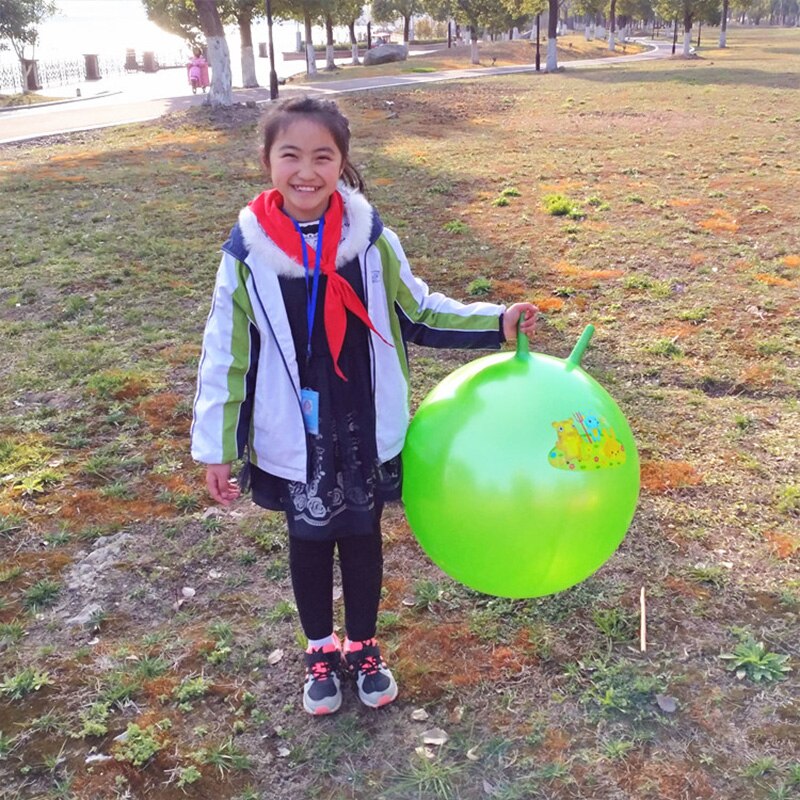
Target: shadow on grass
703 76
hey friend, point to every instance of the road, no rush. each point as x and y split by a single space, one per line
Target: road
137 100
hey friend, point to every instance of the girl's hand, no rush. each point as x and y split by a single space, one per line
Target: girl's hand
528 313
221 486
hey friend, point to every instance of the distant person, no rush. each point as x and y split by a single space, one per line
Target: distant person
304 374
198 71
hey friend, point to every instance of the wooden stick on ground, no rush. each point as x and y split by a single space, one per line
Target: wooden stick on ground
643 622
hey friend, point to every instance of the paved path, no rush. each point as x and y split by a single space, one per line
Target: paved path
141 101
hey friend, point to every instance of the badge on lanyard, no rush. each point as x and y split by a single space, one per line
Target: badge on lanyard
309 400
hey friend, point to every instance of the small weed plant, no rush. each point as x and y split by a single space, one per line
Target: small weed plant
224 757
139 745
23 683
616 624
191 689
479 287
94 720
751 659
432 779
43 593
559 205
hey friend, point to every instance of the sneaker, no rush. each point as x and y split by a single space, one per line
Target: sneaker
375 683
322 691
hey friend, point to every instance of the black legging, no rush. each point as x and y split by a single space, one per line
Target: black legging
361 564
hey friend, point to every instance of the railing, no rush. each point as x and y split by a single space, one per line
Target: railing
66 72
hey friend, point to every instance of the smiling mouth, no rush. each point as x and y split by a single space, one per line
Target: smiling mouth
305 189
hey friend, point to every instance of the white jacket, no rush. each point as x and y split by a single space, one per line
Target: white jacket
248 388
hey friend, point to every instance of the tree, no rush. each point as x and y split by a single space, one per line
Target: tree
592 11
19 20
347 12
182 18
612 27
390 10
475 14
176 16
521 12
328 10
307 11
219 56
552 36
723 25
243 12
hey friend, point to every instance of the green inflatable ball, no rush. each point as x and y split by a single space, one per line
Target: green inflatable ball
521 474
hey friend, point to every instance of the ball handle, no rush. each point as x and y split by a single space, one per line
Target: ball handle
576 355
523 345
574 360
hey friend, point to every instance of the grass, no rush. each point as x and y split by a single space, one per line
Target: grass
498 54
693 288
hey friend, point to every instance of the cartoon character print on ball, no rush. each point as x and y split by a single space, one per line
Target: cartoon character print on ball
585 443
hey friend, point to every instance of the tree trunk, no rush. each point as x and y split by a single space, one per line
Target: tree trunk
311 56
406 29
473 44
330 64
723 25
552 34
688 18
247 55
612 33
219 57
354 43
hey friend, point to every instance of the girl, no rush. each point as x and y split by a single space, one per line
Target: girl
198 71
304 374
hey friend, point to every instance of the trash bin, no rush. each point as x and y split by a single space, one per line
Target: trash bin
149 63
131 64
30 74
92 67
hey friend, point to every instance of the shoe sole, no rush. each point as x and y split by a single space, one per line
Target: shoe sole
382 701
320 711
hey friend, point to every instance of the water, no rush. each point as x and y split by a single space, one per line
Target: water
110 27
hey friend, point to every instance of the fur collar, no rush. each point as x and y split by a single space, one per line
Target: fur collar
356 230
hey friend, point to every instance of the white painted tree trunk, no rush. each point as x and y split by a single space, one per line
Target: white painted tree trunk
687 43
587 32
474 57
355 62
612 41
552 55
219 59
248 68
311 58
330 63
723 38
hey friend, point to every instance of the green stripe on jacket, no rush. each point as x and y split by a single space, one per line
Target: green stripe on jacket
241 315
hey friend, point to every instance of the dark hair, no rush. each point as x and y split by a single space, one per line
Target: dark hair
324 112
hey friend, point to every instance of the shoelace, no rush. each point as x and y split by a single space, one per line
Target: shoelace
370 665
321 670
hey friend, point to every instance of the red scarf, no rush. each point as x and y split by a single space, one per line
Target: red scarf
340 297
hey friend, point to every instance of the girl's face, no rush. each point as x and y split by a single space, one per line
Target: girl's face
305 166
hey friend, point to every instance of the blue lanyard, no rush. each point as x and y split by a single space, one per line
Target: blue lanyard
312 285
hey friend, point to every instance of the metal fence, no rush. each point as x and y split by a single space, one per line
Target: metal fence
64 73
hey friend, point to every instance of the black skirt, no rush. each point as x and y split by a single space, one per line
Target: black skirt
346 486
